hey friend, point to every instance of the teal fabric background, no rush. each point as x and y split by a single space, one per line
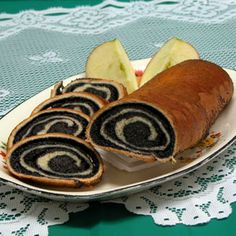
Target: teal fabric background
112 219
141 39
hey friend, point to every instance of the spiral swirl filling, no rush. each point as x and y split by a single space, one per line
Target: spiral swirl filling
55 157
134 127
85 105
106 91
53 122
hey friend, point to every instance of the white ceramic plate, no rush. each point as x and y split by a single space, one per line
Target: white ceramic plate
117 182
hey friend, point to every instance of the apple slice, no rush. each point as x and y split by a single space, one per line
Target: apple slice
110 61
171 53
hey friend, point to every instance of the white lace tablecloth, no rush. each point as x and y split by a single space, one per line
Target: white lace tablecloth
39 48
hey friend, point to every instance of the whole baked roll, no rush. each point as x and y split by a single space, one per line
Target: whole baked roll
170 113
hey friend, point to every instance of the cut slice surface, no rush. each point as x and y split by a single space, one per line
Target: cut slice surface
56 120
106 89
85 102
52 159
110 61
134 129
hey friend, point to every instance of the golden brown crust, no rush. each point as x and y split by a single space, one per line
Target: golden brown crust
56 181
100 101
191 95
22 123
55 89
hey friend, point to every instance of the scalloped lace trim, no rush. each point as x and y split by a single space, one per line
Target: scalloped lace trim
109 14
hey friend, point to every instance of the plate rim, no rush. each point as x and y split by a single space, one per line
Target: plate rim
112 193
122 191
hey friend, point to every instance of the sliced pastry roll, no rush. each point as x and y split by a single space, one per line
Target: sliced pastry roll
106 89
56 120
52 159
170 113
85 102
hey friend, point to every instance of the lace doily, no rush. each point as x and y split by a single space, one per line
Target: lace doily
109 14
39 48
25 214
192 199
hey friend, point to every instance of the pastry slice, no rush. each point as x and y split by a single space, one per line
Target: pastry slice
58 160
56 120
106 89
85 102
170 113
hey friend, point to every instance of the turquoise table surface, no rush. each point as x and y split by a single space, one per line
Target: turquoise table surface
114 219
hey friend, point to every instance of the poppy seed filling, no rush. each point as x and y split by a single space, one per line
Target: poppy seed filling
53 122
107 91
134 127
85 105
55 157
